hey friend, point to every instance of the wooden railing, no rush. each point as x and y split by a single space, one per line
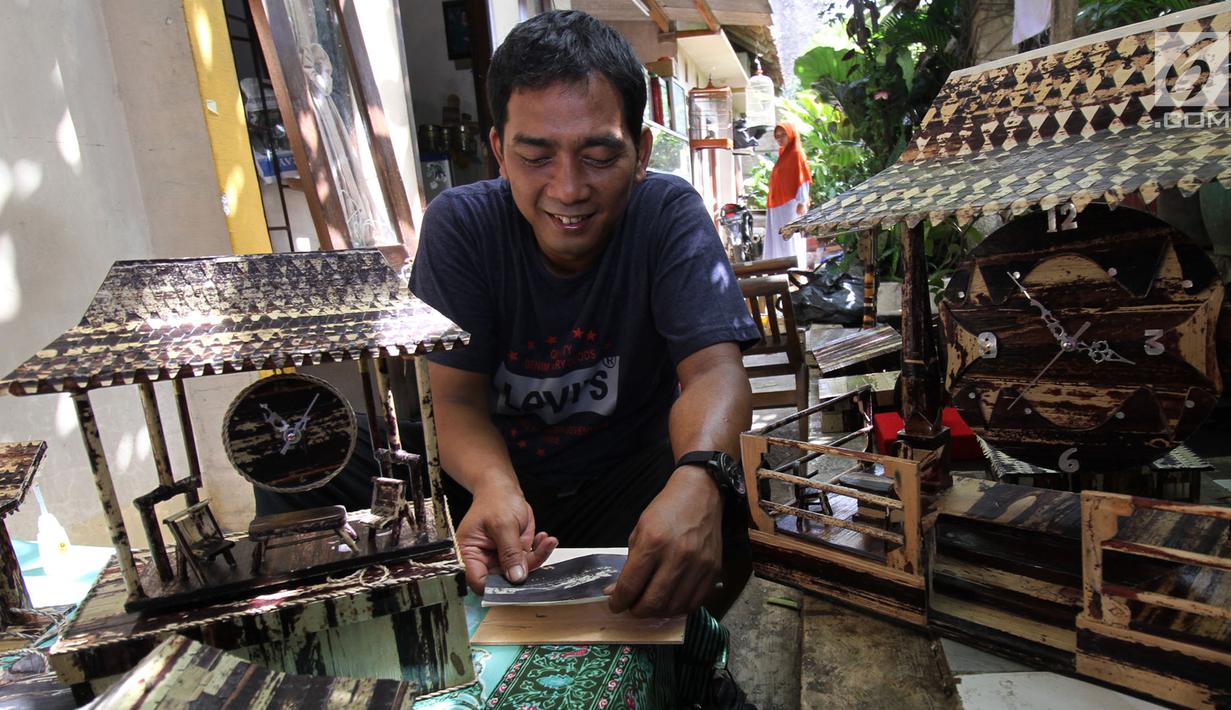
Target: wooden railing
1108 602
902 533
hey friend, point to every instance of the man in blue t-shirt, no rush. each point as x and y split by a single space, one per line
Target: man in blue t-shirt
602 395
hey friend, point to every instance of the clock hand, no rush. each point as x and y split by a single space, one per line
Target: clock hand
294 435
1068 346
277 422
311 404
1053 324
1100 351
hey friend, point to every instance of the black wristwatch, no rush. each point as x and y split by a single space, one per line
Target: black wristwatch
724 469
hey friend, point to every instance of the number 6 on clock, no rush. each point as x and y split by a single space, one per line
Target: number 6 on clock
1153 346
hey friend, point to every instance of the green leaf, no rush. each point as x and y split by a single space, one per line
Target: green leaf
825 63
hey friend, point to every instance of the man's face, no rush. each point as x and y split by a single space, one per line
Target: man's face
571 165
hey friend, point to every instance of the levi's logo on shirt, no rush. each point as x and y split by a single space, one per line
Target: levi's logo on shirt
590 389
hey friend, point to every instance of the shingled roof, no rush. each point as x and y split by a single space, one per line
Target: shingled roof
19 461
174 318
1074 122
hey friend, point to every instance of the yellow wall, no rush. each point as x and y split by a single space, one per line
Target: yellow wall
223 108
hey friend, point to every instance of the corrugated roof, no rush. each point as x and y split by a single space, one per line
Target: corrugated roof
174 318
1077 122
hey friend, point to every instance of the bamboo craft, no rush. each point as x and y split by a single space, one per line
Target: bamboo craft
1019 571
18 463
821 536
182 673
309 607
1128 591
401 620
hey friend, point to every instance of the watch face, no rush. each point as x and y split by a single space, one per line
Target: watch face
289 432
1087 349
732 471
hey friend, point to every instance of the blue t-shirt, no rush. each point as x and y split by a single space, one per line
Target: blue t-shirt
582 367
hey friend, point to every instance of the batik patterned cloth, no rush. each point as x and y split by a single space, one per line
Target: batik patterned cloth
594 677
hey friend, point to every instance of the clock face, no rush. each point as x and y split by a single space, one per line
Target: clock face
1084 349
289 432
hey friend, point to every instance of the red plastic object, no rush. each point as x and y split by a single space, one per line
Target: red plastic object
963 447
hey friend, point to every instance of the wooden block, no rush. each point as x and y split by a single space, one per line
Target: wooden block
573 624
863 662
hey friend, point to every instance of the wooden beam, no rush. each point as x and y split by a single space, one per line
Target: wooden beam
884 535
372 114
1167 554
870 498
1187 606
686 34
707 15
658 15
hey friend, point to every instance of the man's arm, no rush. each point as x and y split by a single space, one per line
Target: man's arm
498 532
675 552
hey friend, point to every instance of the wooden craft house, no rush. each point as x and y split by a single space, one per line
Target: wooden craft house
1081 338
310 592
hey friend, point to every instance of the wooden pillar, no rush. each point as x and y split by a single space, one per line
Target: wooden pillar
1063 21
106 493
375 433
394 436
190 440
153 427
162 464
428 412
153 533
480 61
923 396
867 254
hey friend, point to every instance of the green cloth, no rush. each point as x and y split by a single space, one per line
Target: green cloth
596 677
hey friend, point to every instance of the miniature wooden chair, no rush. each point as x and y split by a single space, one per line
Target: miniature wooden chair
389 508
198 539
296 527
769 302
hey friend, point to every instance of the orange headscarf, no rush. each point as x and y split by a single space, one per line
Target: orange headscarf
790 171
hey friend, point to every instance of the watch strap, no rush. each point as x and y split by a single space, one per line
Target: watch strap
698 458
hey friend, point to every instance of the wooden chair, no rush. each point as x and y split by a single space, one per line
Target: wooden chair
389 508
764 267
198 539
769 302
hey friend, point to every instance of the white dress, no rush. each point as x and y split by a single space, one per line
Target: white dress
776 217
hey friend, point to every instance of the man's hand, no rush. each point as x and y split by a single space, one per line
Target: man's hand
675 552
497 536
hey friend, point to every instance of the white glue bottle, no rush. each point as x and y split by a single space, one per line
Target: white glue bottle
53 545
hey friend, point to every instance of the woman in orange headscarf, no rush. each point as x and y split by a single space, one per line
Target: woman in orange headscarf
788 197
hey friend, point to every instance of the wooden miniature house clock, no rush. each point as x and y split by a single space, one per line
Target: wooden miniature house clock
289 432
1088 346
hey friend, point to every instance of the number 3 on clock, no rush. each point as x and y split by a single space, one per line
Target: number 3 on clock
1153 346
